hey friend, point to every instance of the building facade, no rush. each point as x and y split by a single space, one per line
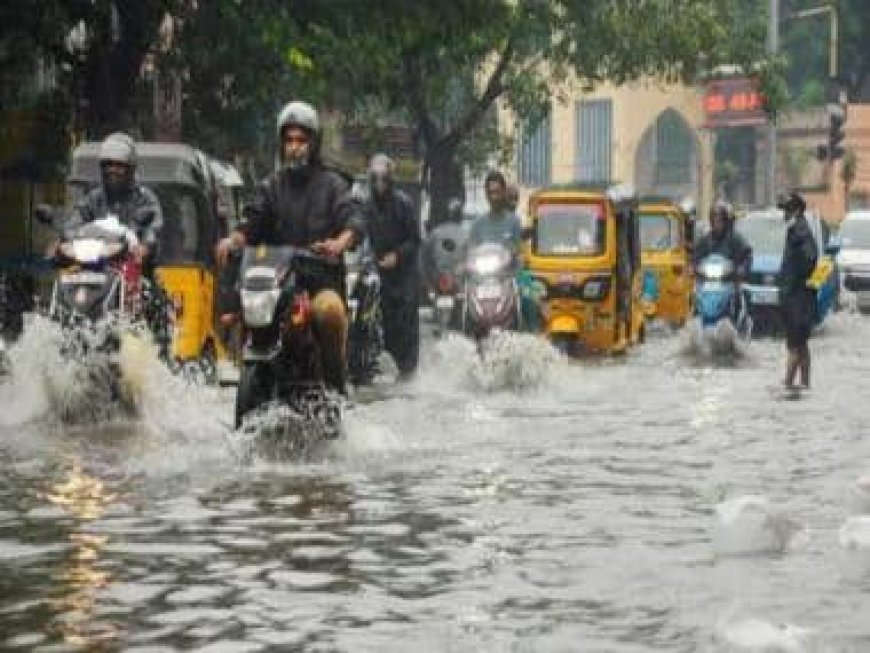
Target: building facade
646 134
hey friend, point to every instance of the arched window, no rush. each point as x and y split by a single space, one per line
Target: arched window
675 149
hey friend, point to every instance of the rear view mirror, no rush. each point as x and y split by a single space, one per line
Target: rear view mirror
44 214
528 233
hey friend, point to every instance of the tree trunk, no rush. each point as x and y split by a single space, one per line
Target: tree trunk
445 181
120 41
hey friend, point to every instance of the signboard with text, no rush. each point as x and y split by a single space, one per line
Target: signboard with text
734 102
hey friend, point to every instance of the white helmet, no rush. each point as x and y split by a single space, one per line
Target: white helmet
299 114
119 147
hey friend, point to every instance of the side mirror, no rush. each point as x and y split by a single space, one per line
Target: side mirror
528 233
44 214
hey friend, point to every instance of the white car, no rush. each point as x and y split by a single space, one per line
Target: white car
854 258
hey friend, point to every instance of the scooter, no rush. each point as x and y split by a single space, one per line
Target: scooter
281 363
722 315
492 298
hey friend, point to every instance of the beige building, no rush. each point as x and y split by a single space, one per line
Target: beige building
647 134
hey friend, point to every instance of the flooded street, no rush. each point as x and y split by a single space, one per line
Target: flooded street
533 504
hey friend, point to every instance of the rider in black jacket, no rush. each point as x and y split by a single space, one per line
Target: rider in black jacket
305 204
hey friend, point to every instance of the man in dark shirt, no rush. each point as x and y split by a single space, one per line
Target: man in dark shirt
394 235
797 299
135 205
305 204
724 240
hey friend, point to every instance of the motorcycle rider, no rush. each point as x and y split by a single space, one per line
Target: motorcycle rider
798 303
501 225
395 238
722 239
135 205
305 204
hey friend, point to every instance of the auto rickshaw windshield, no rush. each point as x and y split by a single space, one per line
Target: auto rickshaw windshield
659 232
570 230
183 238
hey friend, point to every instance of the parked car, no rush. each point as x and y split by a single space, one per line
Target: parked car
765 230
854 259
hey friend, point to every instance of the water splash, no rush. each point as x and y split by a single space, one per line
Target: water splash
509 361
720 344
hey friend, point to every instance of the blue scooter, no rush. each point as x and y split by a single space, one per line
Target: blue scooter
722 314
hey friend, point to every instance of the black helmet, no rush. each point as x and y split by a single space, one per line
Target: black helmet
791 203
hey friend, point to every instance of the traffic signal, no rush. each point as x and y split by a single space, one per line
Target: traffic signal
835 149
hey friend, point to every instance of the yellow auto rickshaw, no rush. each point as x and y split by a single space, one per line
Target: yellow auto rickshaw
183 180
583 253
665 230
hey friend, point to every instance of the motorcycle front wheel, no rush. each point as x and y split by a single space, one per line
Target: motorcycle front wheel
256 385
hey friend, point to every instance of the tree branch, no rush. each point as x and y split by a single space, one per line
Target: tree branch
494 88
413 78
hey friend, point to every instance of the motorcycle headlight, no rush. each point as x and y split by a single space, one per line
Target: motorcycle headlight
485 265
258 306
85 250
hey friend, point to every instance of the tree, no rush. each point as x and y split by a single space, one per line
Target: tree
500 53
95 49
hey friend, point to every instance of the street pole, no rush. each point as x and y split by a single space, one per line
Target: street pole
772 47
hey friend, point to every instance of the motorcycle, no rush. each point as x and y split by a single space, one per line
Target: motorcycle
101 300
365 334
281 362
722 314
492 298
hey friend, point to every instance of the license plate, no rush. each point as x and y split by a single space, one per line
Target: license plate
444 302
95 278
766 297
489 291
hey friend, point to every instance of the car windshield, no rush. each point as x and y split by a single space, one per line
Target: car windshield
766 235
659 232
855 234
570 230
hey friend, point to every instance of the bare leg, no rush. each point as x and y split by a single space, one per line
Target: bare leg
791 367
805 365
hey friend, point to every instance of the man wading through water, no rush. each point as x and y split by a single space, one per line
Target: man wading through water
394 235
797 299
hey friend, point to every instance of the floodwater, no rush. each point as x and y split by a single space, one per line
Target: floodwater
652 502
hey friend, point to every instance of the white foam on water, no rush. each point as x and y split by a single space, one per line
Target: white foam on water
507 361
753 635
749 524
